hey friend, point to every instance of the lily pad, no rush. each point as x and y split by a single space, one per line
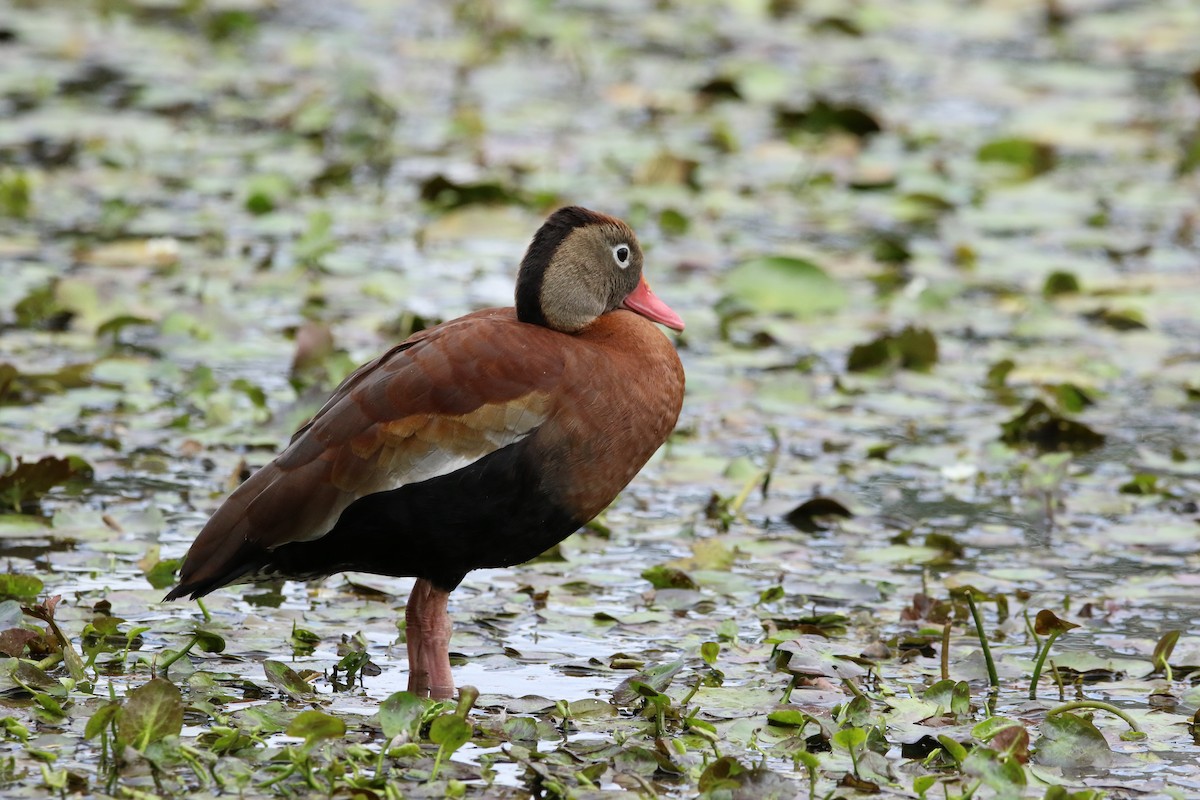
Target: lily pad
1071 741
1047 431
26 484
152 712
785 285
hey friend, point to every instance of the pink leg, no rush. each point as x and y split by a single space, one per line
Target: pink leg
428 631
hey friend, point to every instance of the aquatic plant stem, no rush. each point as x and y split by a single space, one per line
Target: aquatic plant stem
787 693
691 693
166 665
993 679
1099 705
946 651
50 661
747 488
1041 661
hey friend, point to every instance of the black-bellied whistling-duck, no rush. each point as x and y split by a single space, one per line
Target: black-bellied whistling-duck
477 443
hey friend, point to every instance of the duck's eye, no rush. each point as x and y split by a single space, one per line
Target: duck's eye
621 255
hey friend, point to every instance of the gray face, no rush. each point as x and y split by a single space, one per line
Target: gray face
591 272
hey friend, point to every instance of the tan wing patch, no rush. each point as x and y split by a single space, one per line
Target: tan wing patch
423 446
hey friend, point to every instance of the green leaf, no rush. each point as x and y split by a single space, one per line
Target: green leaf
657 678
785 285
724 773
997 374
1189 159
269 718
1012 743
401 713
822 117
304 639
672 222
1006 777
664 577
850 738
891 249
100 720
16 194
648 692
150 713
1164 648
313 726
115 325
811 762
1028 157
49 705
788 718
13 728
252 391
208 641
27 483
1039 426
1058 792
29 677
1128 319
1143 483
449 732
265 193
286 680
912 348
770 595
467 695
923 783
1046 622
445 194
869 355
709 652
1071 741
317 242
991 726
521 729
590 708
953 697
162 574
917 347
1071 398
953 748
960 700
225 24
857 712
1059 283
40 308
20 587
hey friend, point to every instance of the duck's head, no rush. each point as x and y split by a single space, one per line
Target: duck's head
582 264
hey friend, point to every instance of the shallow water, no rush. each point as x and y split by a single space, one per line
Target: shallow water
182 186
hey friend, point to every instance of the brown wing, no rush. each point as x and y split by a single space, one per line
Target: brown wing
432 405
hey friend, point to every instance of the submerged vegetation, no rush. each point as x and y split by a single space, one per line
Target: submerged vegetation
928 527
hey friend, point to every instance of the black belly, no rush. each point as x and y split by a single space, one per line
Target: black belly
494 513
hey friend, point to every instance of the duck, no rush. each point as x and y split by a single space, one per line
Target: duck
480 442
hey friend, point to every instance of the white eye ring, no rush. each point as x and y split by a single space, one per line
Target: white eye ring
623 255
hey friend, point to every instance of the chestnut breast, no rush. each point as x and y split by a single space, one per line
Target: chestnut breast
619 399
